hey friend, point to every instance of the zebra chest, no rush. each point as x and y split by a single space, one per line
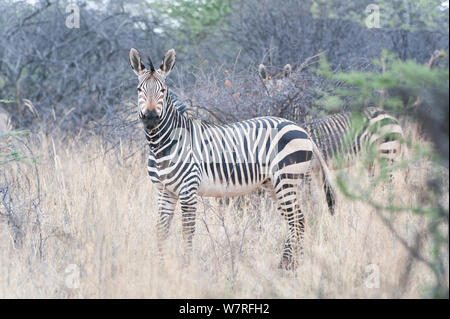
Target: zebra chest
153 170
161 172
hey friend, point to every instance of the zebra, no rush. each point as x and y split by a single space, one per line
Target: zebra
189 158
346 134
274 84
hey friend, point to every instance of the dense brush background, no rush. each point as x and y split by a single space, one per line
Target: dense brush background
75 197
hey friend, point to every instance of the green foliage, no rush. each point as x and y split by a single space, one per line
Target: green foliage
9 150
412 15
401 76
197 17
419 92
337 9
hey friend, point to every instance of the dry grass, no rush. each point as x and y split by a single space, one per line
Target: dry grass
100 216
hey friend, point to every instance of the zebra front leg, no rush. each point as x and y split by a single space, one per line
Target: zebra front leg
166 207
188 203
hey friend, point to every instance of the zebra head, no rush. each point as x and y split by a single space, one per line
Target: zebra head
152 89
274 84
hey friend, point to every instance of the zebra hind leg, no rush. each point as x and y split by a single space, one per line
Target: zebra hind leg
289 208
330 196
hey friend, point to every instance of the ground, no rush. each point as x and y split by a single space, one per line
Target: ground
94 237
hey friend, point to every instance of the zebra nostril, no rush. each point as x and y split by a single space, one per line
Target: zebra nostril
150 118
149 115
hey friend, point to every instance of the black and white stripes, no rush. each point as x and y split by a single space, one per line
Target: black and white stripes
188 157
345 135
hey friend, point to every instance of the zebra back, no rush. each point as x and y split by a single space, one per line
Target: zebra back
345 134
178 103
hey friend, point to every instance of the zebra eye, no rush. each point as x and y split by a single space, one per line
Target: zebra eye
139 89
163 90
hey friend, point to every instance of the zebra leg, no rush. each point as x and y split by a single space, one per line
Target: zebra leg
290 210
166 207
375 168
331 201
307 184
188 201
371 170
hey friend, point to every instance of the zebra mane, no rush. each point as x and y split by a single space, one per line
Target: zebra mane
179 105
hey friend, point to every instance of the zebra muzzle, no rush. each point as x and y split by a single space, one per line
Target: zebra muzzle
149 118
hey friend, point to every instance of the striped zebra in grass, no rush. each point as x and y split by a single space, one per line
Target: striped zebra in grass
188 158
345 135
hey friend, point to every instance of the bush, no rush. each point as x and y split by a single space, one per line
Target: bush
421 94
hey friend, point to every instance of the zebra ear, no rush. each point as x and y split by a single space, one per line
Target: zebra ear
263 72
136 62
287 70
168 62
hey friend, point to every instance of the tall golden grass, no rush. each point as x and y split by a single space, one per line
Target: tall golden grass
98 220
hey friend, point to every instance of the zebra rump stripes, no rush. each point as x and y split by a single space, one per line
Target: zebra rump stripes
188 157
346 135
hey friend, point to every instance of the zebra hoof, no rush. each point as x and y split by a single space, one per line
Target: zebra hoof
187 258
186 263
287 263
333 211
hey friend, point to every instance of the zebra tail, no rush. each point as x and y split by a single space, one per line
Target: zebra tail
327 179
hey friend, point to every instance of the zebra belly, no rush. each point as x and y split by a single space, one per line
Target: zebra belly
210 188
